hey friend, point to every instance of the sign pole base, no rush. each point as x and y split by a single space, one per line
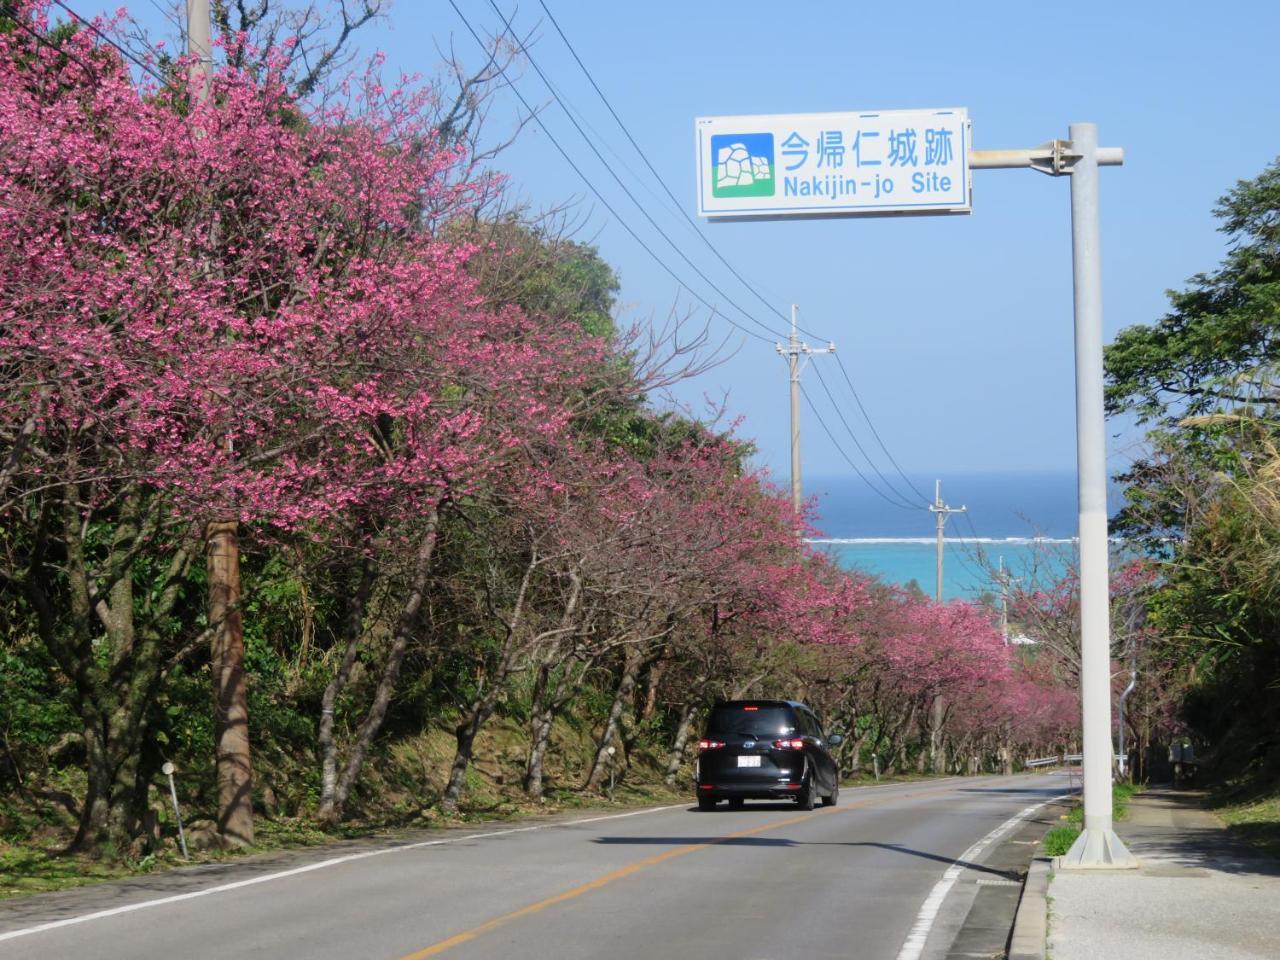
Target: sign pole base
1097 848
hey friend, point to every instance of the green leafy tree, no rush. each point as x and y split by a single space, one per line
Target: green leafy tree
1205 497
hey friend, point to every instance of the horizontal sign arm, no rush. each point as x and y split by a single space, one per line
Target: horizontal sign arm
1054 158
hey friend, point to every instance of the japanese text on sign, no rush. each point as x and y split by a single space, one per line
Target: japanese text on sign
834 164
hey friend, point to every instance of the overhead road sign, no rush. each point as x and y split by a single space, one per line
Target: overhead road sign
871 163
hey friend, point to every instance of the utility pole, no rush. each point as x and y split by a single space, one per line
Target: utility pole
200 48
232 760
794 351
942 511
1003 578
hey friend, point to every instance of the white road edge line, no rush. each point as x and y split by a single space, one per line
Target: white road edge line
348 858
919 935
318 865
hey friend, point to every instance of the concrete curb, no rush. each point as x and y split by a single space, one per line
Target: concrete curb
1029 940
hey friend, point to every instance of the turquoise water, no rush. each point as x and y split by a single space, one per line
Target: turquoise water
969 565
1028 518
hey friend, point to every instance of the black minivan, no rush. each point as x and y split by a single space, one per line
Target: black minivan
765 750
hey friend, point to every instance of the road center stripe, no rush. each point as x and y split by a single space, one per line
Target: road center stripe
319 865
441 946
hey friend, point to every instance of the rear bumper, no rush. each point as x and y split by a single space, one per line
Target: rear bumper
761 790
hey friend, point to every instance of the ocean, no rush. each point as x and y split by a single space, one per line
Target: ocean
1025 519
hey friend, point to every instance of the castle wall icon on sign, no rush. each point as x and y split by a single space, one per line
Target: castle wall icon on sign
744 165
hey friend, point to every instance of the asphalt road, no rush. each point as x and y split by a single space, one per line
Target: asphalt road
861 880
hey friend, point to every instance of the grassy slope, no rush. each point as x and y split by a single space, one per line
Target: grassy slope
1256 821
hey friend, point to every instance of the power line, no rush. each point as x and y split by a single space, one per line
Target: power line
12 13
974 552
93 28
680 208
617 179
597 194
644 157
874 432
170 16
862 450
836 443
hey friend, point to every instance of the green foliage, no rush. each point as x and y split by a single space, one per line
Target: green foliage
1205 498
1222 333
1059 840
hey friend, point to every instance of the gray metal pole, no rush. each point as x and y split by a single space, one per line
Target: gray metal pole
1098 845
1120 750
793 356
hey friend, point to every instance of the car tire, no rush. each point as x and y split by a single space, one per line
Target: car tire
737 803
706 804
832 798
804 800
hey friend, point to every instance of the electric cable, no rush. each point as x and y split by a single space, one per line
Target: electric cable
857 443
839 449
598 195
657 176
676 204
93 28
170 16
12 13
617 179
874 432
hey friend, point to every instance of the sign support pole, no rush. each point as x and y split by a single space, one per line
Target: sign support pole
1097 845
1080 157
738 170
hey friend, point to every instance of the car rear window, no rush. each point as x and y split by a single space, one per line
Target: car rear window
749 720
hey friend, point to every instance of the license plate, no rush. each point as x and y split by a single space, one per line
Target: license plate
750 761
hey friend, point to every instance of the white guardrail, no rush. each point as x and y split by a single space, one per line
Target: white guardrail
1071 759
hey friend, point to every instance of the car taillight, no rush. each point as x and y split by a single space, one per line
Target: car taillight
795 744
710 744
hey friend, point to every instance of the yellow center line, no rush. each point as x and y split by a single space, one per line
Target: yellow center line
467 935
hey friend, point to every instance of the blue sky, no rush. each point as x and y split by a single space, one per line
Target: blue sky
957 330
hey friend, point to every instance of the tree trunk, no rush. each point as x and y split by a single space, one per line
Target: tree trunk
230 695
937 748
675 758
622 693
405 624
540 723
551 692
855 751
354 632
116 795
653 681
465 736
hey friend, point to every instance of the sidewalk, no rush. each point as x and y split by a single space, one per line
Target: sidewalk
1198 894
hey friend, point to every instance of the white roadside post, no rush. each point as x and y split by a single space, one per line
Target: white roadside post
167 769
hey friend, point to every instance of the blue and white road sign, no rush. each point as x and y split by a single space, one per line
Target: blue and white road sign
834 164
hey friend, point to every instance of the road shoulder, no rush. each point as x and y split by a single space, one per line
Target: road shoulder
993 897
1198 892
